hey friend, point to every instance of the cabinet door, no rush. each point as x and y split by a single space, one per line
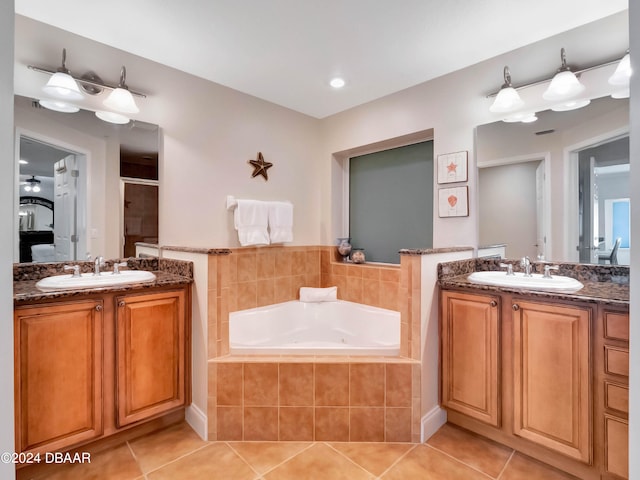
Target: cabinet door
616 443
58 375
552 388
150 363
470 360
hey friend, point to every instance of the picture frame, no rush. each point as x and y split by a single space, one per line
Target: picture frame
453 167
453 202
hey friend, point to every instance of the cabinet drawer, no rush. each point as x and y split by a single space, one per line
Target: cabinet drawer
616 326
616 397
616 360
616 445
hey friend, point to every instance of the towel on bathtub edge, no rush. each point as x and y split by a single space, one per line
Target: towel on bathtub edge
310 294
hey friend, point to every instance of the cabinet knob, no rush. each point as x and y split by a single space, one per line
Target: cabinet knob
98 308
515 307
121 303
493 303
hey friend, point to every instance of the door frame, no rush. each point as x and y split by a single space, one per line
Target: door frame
545 158
571 184
83 157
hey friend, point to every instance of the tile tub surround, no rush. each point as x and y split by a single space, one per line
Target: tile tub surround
602 283
250 277
314 399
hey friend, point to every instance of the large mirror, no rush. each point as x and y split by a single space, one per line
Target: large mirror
557 188
86 187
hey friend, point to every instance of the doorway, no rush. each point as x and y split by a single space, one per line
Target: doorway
603 201
140 214
51 202
512 213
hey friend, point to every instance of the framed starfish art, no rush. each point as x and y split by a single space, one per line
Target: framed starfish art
452 167
260 167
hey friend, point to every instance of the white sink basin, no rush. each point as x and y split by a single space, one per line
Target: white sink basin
89 280
556 283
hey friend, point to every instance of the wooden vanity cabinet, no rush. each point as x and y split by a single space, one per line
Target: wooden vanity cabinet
90 368
519 370
552 376
612 387
471 355
58 375
150 356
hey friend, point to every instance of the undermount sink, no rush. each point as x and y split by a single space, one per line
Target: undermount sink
89 280
557 283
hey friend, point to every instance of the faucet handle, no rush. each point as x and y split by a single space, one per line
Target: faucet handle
509 268
75 268
548 268
116 267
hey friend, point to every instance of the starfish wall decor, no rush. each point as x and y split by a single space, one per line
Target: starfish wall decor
260 167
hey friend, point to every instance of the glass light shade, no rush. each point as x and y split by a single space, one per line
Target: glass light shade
623 72
507 100
36 188
571 105
624 93
524 117
122 101
564 85
58 106
62 85
112 117
27 188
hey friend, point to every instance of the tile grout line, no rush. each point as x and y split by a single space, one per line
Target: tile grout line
393 464
178 458
259 475
135 459
311 444
460 461
348 458
505 465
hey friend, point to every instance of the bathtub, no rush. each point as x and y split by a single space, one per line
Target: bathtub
322 328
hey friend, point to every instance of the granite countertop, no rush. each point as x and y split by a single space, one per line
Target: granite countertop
606 284
168 273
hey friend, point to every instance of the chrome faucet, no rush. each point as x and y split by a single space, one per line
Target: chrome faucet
75 268
509 268
547 270
525 263
97 265
116 267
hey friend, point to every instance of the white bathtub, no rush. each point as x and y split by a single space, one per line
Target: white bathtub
323 328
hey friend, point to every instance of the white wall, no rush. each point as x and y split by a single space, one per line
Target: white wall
634 360
209 133
7 193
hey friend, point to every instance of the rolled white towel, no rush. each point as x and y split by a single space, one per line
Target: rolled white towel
310 294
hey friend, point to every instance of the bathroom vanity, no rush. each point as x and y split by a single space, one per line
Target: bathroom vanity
93 362
543 372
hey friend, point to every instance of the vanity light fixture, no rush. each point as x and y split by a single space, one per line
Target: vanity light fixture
120 98
571 105
62 85
32 185
508 98
622 75
565 84
524 117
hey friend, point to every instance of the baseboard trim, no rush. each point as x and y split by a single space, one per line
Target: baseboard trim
431 422
197 419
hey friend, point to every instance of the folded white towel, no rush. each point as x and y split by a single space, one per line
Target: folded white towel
280 222
310 294
251 218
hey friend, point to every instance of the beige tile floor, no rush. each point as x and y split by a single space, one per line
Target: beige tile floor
177 453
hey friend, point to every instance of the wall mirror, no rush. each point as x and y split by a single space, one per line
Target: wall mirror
75 175
557 188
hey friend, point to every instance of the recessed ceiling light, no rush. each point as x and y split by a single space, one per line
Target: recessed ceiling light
337 82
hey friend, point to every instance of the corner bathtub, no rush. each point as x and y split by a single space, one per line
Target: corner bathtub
322 328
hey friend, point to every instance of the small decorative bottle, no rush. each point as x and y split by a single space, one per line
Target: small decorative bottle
357 255
344 248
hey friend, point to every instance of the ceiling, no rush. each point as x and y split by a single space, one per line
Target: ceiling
286 51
